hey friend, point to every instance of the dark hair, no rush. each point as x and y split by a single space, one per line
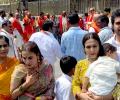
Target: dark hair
73 18
109 47
1 11
5 38
67 63
103 19
107 10
32 47
11 14
115 14
5 23
41 13
94 36
86 14
47 24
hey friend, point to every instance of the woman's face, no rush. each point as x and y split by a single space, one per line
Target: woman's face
91 48
30 59
4 48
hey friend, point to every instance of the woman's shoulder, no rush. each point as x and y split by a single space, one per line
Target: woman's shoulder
83 61
19 71
21 67
12 60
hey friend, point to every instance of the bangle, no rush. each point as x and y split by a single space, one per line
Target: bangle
21 89
37 98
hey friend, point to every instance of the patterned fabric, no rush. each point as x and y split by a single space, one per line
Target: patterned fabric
44 85
80 71
116 92
6 69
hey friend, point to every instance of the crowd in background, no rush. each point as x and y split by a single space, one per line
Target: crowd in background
87 45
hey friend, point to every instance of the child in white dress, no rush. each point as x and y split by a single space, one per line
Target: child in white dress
102 74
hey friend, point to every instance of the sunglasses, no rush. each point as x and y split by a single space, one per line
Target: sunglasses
3 46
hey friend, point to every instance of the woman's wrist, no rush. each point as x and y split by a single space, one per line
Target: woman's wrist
37 98
21 89
26 84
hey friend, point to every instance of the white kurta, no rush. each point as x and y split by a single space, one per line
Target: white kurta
63 88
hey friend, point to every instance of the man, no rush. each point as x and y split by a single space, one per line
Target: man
94 27
14 38
41 19
107 12
16 24
71 41
105 32
28 26
46 42
63 22
2 17
115 40
91 13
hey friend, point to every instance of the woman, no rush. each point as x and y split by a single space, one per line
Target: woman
34 77
7 66
93 49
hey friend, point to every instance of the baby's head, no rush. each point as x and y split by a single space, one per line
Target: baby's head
110 50
68 64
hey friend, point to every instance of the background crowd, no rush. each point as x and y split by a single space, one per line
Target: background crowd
87 46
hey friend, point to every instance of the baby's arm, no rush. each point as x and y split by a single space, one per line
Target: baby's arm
85 84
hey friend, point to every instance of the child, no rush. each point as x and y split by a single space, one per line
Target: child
102 74
63 84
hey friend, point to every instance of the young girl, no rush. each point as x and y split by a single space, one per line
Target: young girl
101 74
34 77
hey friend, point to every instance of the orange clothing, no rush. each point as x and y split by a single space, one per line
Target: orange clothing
90 18
6 69
89 21
28 27
96 28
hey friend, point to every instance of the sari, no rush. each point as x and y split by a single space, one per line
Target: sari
6 69
43 87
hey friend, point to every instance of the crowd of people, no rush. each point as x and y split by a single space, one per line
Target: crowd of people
88 48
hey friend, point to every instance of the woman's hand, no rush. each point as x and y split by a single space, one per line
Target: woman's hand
30 79
83 96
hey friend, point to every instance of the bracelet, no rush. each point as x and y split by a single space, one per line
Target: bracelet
21 89
37 98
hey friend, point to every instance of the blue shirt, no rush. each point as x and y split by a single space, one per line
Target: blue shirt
71 43
105 34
